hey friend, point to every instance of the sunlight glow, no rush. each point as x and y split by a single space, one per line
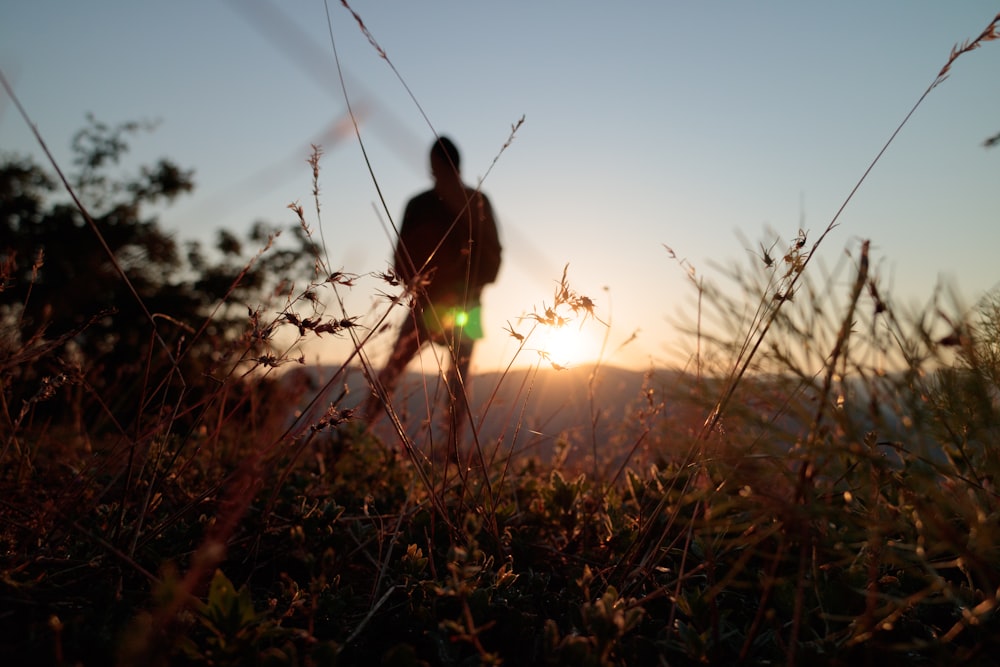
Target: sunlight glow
569 345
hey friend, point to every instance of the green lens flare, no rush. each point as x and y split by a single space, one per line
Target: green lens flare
444 319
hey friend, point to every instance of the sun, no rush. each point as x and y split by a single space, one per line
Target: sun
568 345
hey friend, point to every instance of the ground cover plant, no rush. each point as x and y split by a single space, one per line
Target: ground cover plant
818 486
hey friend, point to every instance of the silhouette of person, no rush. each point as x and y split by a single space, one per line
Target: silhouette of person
448 251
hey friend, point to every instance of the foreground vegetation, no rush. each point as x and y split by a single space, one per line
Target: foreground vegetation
818 488
868 533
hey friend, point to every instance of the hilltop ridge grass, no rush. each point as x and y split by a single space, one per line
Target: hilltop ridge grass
869 533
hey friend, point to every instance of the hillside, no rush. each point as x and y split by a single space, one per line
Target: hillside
527 409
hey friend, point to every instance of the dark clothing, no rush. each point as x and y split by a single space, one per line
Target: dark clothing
451 240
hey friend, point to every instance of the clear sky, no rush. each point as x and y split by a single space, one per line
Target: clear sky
706 126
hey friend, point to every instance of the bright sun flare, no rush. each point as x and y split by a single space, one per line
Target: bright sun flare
568 345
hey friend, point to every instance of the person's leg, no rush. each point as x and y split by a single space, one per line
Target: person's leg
458 393
411 336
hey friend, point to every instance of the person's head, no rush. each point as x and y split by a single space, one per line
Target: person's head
445 160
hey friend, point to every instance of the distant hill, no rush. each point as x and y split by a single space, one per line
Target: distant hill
528 412
528 409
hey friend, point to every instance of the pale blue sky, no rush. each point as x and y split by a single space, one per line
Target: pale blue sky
679 123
